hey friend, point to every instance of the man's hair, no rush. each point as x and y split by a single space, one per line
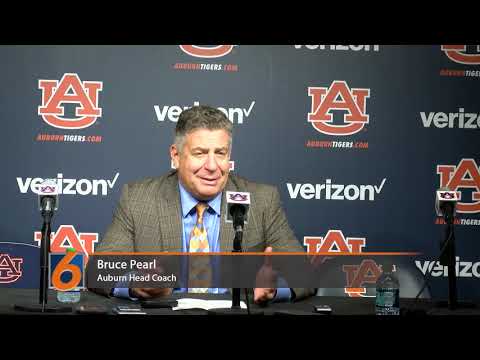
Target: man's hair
201 117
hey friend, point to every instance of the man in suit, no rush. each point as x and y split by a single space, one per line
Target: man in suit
163 213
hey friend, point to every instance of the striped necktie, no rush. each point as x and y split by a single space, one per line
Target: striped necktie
200 271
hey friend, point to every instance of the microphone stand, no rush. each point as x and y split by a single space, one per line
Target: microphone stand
44 272
448 259
44 251
237 247
236 309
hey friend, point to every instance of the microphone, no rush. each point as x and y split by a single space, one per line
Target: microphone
238 204
237 211
445 203
48 197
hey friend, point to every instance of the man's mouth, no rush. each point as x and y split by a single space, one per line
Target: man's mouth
209 181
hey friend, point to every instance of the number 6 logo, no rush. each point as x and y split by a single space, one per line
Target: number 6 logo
62 264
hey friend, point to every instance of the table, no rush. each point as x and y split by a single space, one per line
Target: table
339 305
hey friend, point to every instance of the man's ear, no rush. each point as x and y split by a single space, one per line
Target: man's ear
174 155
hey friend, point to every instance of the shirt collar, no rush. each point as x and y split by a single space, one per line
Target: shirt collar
188 202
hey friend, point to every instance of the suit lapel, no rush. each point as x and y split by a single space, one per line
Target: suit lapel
169 211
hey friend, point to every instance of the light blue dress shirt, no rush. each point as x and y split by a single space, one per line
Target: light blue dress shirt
211 221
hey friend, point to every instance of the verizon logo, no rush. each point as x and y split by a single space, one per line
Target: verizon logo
459 120
340 47
236 115
462 268
329 191
70 186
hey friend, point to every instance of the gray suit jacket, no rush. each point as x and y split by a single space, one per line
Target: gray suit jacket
148 219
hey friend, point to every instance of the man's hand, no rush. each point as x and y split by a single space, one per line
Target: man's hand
317 260
266 274
150 293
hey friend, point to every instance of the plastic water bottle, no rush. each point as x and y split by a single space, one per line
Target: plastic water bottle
70 296
387 299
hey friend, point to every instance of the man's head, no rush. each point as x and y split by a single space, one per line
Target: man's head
201 152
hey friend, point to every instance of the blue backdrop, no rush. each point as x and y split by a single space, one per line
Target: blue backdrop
356 137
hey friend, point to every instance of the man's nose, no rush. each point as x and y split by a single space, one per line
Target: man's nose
211 164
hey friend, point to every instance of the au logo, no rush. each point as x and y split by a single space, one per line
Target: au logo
66 236
465 175
207 52
67 271
360 275
10 268
339 96
70 89
238 197
458 53
356 275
